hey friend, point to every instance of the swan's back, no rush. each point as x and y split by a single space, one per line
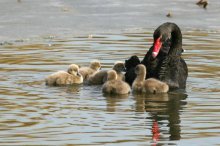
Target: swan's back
114 86
98 78
88 71
72 76
152 85
51 79
69 79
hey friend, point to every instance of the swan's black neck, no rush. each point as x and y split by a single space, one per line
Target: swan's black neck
176 43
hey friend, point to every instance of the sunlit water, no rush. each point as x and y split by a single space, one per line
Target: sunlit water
32 113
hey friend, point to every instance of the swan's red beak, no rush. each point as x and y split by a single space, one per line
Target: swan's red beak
157 46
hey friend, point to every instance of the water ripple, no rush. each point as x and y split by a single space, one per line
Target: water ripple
32 113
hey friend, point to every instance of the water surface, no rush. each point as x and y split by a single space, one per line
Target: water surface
32 113
32 47
33 18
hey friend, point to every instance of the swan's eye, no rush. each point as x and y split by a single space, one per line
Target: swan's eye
169 36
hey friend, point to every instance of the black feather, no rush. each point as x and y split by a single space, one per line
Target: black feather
130 65
168 66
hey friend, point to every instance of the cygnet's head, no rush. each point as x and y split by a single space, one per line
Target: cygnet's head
112 75
74 70
119 66
140 69
131 62
96 65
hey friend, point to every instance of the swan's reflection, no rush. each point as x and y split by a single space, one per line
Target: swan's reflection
164 111
74 88
113 100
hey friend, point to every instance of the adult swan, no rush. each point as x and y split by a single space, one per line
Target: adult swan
163 60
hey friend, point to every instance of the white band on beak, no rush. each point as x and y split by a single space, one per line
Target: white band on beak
154 54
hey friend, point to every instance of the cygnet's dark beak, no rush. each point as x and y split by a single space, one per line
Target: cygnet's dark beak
78 74
124 69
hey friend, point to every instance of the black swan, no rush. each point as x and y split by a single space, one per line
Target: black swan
163 60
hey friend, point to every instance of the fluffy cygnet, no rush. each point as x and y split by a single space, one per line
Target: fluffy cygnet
100 77
137 85
119 67
88 71
150 85
114 86
72 76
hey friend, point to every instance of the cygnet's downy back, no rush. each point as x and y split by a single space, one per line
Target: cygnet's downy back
100 77
86 72
72 76
114 86
150 85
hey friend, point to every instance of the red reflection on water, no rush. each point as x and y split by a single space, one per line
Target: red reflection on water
155 132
